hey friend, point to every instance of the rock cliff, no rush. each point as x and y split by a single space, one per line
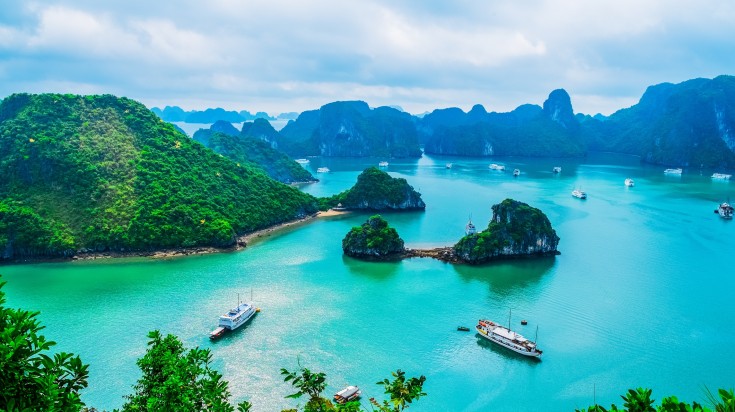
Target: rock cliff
373 239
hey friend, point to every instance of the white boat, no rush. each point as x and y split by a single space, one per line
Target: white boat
676 171
725 210
449 165
494 166
302 161
383 164
721 176
347 394
516 172
507 338
629 182
234 318
579 194
556 169
470 228
322 170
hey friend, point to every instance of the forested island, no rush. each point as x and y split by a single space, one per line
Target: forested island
376 190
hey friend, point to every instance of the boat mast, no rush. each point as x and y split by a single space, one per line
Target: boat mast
238 299
535 340
509 313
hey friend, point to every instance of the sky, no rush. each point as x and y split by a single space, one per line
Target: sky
282 56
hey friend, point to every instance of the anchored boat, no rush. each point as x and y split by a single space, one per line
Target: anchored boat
629 182
507 338
725 210
347 394
234 318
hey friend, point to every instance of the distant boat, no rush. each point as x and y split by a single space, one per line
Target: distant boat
629 182
383 164
676 171
449 165
302 161
470 228
507 338
323 170
516 172
556 169
494 166
234 318
579 194
725 210
463 328
347 394
721 176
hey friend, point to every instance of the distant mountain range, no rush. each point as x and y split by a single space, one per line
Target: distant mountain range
177 114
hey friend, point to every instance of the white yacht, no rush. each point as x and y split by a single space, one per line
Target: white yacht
676 171
383 164
449 166
323 170
629 182
234 318
516 172
579 194
556 169
494 166
725 210
721 176
470 229
302 161
507 338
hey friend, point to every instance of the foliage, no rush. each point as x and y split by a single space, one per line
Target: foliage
372 238
31 379
178 380
376 190
312 384
639 400
104 173
402 392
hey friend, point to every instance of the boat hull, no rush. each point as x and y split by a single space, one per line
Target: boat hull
507 345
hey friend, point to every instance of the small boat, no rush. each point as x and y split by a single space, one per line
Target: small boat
676 171
556 169
725 210
463 328
579 194
524 322
449 165
721 176
302 161
507 338
470 228
516 172
347 394
234 318
494 166
629 182
383 164
323 170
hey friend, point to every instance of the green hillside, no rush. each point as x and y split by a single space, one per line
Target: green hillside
104 173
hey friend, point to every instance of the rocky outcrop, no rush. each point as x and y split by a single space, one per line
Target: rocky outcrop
377 190
516 230
373 239
558 107
261 129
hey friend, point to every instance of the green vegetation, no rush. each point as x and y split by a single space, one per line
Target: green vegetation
32 379
98 173
373 239
376 190
639 400
516 229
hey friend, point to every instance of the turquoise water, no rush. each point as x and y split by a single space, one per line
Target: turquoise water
642 294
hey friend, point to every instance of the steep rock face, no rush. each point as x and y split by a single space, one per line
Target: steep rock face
373 239
558 107
261 129
223 127
516 230
377 190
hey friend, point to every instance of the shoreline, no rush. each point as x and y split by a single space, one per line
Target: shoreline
241 243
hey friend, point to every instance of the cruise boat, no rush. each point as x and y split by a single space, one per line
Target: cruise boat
347 394
676 171
556 169
516 172
721 176
383 164
470 229
494 166
234 318
302 161
579 194
629 182
507 338
323 170
449 165
725 210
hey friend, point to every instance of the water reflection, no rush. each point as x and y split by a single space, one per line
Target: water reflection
371 270
507 278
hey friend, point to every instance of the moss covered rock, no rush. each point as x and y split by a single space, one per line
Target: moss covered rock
377 190
374 239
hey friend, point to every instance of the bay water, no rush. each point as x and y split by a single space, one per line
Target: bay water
641 295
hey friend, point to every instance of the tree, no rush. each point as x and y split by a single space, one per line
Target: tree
176 380
402 392
29 378
310 383
638 400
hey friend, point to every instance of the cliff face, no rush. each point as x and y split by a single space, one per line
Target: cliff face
377 190
373 238
516 230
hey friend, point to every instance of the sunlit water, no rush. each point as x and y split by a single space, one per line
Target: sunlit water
642 294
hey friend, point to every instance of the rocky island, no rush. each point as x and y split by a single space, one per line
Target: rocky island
373 239
376 190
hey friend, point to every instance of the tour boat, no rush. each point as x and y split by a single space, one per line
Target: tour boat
494 166
516 172
470 229
383 164
347 394
463 328
721 176
725 210
507 338
676 171
234 318
556 169
449 165
579 194
629 182
322 170
302 161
